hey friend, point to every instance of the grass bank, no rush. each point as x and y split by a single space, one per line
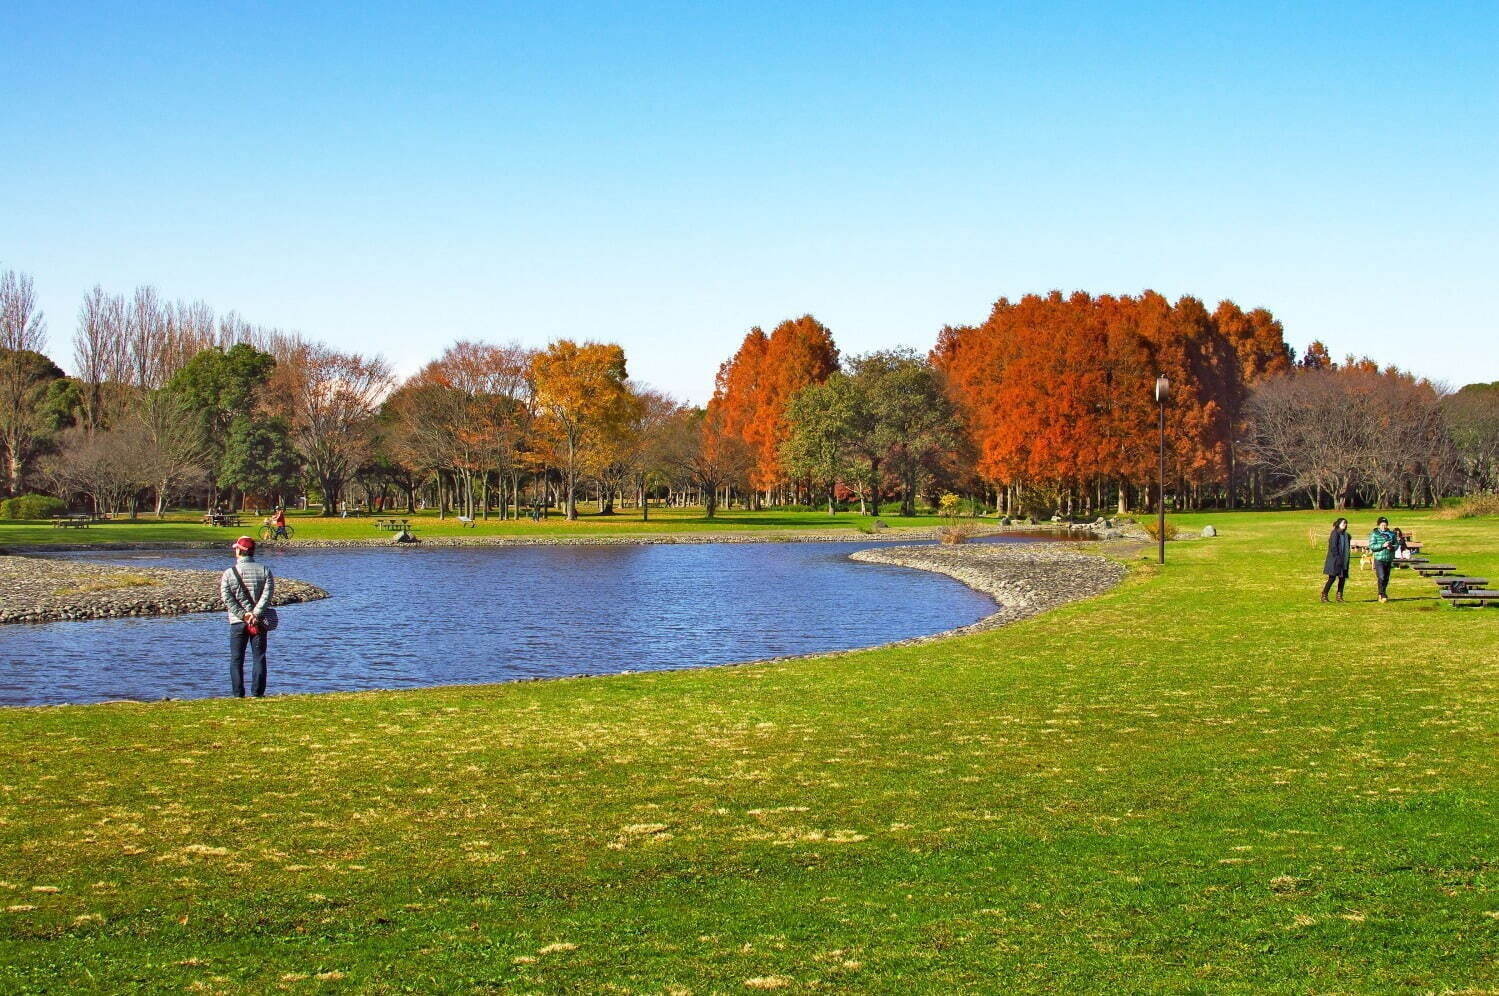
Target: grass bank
187 527
1201 781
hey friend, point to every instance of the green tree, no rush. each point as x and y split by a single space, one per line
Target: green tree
907 416
27 415
220 387
823 420
258 458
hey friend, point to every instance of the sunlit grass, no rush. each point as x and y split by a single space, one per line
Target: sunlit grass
109 582
188 527
1205 781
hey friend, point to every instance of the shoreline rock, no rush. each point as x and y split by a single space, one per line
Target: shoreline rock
38 590
1023 579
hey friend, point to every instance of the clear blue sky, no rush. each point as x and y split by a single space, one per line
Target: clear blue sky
389 177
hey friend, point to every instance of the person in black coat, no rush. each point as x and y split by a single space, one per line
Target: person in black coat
1339 551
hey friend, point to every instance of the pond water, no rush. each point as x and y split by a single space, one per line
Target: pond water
404 618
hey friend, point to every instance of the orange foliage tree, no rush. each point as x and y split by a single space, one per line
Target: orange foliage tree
1056 392
580 392
755 386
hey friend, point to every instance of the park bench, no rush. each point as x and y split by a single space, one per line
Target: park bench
1460 582
466 520
1471 596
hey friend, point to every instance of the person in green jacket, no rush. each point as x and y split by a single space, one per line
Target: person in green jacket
1382 544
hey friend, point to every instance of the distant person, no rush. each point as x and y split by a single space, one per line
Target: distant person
1402 546
1339 552
1382 545
279 521
247 588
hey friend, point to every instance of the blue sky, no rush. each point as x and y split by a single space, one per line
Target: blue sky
391 177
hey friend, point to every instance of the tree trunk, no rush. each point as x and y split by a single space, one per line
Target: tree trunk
331 487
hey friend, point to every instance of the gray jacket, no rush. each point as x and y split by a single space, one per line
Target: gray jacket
261 585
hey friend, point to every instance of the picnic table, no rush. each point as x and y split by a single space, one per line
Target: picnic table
1428 570
1472 596
1462 581
221 519
393 524
77 520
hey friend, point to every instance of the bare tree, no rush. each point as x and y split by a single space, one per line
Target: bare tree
101 356
701 454
109 466
171 449
331 399
1334 430
1473 419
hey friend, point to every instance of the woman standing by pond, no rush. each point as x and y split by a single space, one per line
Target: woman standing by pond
1335 565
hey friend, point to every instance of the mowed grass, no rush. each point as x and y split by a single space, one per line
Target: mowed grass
188 526
1204 781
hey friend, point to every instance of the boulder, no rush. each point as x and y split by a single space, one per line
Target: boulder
1208 532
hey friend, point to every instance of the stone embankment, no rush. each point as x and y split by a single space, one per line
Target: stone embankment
1025 579
35 590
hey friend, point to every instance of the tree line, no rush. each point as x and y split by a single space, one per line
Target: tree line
1045 406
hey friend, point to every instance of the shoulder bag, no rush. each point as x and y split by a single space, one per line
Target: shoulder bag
269 621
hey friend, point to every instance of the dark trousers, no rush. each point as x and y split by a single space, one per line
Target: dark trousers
1341 579
1382 570
238 639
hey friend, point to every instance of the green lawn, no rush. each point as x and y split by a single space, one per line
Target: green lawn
188 527
1204 781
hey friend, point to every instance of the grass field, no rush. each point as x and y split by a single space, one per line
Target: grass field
1204 781
188 527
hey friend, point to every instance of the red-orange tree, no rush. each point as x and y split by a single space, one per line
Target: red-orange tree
755 386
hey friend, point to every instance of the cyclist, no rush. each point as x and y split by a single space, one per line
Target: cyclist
279 521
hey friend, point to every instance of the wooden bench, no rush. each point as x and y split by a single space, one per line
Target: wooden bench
1461 581
1473 596
1429 570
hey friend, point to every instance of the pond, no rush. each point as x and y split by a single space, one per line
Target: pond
440 616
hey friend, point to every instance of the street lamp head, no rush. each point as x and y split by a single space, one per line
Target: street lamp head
1162 388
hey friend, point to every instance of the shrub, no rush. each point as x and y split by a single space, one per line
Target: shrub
32 507
958 533
1151 525
1484 503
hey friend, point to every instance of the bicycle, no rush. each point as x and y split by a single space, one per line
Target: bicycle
268 533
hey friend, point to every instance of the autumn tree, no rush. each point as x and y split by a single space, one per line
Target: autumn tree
580 392
755 387
329 400
702 454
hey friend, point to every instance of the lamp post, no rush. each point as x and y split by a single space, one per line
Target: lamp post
1162 389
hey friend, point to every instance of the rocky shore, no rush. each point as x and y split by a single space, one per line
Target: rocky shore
36 590
1025 579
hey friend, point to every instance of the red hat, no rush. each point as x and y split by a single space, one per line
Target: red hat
244 543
